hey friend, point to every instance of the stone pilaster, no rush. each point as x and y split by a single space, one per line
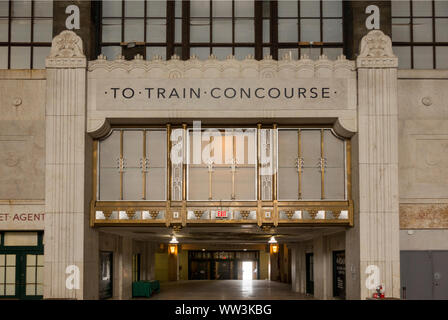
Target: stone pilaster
274 267
65 167
125 269
374 241
322 282
150 261
298 268
173 266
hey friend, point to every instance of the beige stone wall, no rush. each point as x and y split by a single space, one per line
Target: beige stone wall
264 265
424 239
423 148
22 134
322 248
161 266
123 248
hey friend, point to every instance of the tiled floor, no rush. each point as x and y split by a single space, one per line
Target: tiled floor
226 289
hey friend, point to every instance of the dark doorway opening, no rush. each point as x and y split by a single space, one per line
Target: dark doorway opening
221 265
106 275
309 273
136 267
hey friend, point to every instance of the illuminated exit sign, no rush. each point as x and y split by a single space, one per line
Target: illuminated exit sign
222 214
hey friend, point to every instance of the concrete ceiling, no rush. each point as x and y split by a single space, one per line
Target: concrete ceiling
240 234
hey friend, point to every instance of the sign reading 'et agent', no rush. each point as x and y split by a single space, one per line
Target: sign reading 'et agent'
22 217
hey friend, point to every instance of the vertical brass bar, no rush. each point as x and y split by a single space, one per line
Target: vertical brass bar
95 171
168 162
144 159
299 161
258 161
349 168
322 167
210 172
233 168
274 161
184 165
223 146
94 182
121 164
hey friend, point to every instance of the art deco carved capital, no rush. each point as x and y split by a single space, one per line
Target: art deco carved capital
376 51
66 51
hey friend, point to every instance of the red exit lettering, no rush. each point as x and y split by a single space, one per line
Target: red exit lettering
222 214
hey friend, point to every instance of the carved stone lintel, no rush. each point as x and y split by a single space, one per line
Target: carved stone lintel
231 67
376 51
66 51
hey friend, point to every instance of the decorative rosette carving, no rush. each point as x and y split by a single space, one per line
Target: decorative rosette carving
66 51
376 51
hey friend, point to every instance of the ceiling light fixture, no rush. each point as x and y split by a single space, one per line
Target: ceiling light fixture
174 240
272 240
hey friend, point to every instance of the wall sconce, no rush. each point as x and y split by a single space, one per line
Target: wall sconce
172 248
274 245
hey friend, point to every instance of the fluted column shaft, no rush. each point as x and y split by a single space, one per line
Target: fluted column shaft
373 245
65 168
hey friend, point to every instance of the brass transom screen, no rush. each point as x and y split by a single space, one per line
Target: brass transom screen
223 164
311 165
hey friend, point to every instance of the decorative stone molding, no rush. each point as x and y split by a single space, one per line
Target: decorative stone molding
427 101
230 67
424 216
17 101
345 127
66 51
98 128
376 51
